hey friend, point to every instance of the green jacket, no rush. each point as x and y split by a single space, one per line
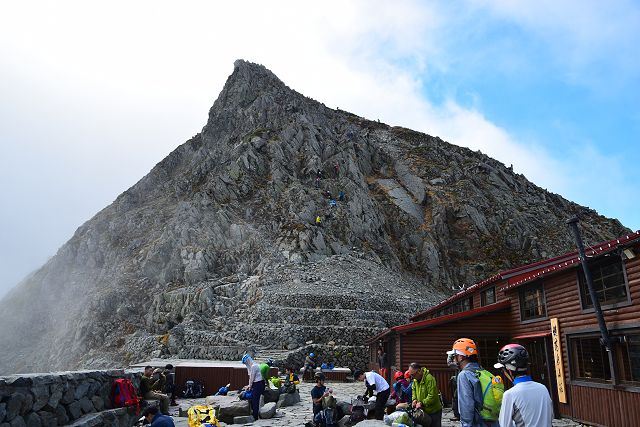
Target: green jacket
147 384
426 391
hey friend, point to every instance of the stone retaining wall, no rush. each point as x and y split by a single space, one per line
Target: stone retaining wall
80 398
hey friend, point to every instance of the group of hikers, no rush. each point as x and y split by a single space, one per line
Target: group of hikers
333 201
480 399
158 384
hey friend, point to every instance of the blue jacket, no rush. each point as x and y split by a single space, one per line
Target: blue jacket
162 421
470 398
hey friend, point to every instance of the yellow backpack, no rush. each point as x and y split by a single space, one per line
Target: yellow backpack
202 414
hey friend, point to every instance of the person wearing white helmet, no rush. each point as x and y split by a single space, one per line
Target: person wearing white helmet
256 384
527 403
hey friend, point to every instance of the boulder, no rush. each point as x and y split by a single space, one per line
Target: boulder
14 403
230 407
288 399
74 410
268 410
243 419
98 403
86 405
18 422
32 420
271 395
61 415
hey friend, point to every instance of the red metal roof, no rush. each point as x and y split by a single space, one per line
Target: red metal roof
521 275
459 295
451 317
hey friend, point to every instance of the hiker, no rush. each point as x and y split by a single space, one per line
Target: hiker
318 220
256 384
453 384
382 363
325 410
336 168
309 365
332 203
170 386
151 383
291 377
374 382
401 389
264 370
528 402
425 396
470 393
154 419
317 182
328 195
341 196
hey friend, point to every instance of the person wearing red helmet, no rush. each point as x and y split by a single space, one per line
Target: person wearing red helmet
464 354
527 403
401 389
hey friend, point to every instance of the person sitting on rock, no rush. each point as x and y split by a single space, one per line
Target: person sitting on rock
291 380
310 364
150 384
154 419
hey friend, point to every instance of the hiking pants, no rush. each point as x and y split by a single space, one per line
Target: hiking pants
257 390
163 398
381 403
436 418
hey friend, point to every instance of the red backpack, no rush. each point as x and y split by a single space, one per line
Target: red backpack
124 393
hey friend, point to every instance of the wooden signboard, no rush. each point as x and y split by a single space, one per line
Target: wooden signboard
556 340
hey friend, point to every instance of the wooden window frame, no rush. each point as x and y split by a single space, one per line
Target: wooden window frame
573 362
581 282
483 297
536 284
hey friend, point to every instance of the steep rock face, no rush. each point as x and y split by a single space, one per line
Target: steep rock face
187 261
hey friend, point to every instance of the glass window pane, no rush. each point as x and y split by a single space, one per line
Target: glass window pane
591 360
608 281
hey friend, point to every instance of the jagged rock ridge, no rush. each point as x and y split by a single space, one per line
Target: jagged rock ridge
217 250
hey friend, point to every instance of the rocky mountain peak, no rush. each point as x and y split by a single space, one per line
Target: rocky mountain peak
280 212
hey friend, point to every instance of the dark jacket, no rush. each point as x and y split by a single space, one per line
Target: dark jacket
162 421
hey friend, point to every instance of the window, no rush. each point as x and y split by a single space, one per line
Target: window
590 360
488 296
532 304
462 305
488 348
609 281
628 356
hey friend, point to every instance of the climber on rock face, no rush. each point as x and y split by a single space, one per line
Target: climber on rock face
318 220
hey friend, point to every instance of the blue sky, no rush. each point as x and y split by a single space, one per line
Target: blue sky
93 95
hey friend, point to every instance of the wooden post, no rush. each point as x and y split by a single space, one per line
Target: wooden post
556 340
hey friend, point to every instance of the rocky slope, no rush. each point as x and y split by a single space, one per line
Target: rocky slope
217 248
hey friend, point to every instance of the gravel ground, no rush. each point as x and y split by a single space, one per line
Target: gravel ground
297 415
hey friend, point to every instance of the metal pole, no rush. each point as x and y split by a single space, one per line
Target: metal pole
573 223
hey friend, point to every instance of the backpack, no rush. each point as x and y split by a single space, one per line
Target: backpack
124 394
202 414
357 411
492 391
193 388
